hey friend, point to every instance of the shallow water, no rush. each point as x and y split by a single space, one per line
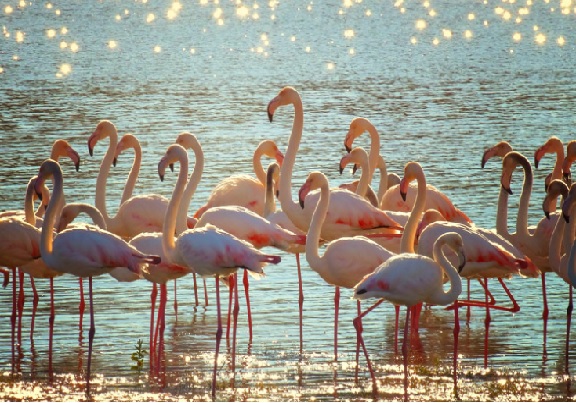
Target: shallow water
476 74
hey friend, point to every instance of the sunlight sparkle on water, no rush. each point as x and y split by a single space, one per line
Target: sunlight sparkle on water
51 33
540 38
517 36
19 36
348 33
112 44
447 33
150 17
8 9
561 41
421 24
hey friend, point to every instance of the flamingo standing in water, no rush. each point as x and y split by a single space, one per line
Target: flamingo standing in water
345 260
209 251
410 279
391 200
83 252
140 213
241 189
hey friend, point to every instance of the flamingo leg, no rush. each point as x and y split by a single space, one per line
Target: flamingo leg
152 310
91 334
82 304
248 309
468 308
300 301
358 326
218 338
396 322
405 351
175 301
455 358
205 293
568 322
336 314
545 311
20 306
487 321
34 308
195 290
231 285
236 310
162 321
13 318
51 326
6 274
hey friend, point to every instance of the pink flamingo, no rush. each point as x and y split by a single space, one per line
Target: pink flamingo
410 279
140 213
83 252
349 214
241 189
209 251
391 200
345 260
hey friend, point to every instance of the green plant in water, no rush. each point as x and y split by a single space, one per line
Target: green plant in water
138 355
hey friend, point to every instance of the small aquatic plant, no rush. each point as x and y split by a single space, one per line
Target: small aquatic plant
138 356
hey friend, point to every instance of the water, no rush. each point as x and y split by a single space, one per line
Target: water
477 73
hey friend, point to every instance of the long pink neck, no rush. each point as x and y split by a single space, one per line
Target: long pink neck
102 179
169 228
134 172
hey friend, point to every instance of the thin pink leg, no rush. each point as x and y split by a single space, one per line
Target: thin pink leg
34 307
91 334
51 326
236 310
336 314
175 301
545 311
468 308
231 285
13 318
358 326
456 333
248 309
195 290
487 321
568 322
161 322
82 305
218 337
205 293
20 305
405 352
396 323
153 295
300 301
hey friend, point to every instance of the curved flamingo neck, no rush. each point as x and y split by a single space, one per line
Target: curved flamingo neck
289 206
257 166
169 227
445 298
134 171
558 149
47 237
409 235
374 154
383 185
269 199
191 186
502 214
313 235
29 215
522 217
102 180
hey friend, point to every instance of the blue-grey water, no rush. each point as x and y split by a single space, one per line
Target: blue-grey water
441 81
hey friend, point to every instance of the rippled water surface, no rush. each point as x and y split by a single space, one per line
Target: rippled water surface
441 81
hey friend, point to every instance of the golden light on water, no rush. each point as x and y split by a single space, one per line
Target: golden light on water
413 40
51 33
421 24
157 49
1 69
307 49
471 16
150 17
330 66
63 45
112 44
348 33
561 41
8 9
468 34
242 11
19 36
351 51
74 47
435 41
64 70
64 30
447 33
517 36
540 38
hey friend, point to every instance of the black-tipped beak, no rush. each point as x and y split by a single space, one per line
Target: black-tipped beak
536 162
348 148
403 195
77 166
171 166
340 169
361 291
114 162
90 151
302 203
270 116
462 263
547 214
508 190
566 217
161 177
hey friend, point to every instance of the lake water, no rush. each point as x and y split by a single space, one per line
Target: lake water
441 81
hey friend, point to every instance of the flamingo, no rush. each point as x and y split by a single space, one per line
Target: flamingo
410 279
83 252
151 242
209 251
391 200
568 160
349 214
345 260
241 189
139 213
277 216
561 242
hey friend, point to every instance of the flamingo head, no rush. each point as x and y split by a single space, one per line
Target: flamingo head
498 150
314 181
61 148
187 140
104 129
287 95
